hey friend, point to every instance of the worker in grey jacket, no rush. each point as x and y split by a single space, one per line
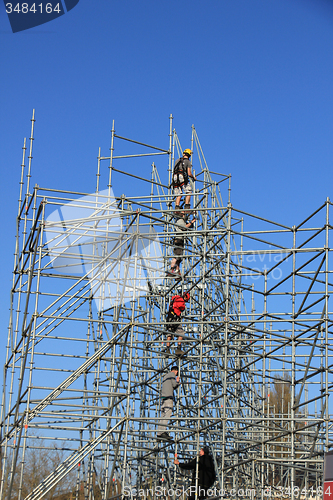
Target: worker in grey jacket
181 225
170 383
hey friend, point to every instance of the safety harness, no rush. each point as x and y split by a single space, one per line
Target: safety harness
180 175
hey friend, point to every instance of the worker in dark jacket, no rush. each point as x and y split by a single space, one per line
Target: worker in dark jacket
207 474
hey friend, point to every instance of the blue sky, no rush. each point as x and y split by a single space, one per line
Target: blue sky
254 76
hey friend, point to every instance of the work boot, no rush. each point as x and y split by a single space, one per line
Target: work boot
164 437
173 273
179 352
178 212
167 352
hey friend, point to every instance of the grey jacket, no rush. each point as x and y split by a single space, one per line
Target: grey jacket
182 226
169 385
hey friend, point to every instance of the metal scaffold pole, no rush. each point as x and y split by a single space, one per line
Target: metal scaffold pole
87 342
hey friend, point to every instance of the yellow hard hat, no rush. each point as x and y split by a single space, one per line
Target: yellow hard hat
187 152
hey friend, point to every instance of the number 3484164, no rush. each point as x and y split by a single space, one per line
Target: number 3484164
24 8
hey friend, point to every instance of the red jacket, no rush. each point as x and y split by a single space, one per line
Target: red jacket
179 304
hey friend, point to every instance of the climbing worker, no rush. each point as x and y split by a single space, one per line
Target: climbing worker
206 473
179 239
169 384
173 319
182 172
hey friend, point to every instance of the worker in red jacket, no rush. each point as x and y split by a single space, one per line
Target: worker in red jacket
177 306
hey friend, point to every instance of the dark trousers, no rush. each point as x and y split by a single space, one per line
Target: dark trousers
201 493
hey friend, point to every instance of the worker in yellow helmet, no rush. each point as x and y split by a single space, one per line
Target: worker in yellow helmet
182 173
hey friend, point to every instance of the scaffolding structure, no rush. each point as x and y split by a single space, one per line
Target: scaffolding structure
86 338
